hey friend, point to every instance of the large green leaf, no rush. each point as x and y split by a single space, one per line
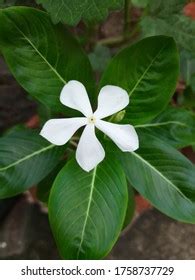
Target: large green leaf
71 12
180 27
44 187
130 207
42 57
148 70
25 159
167 18
87 210
175 126
163 176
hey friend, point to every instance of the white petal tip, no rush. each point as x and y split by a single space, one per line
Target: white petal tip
111 100
131 149
50 140
74 95
86 169
90 167
89 152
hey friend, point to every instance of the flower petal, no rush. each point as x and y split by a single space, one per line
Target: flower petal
59 131
111 99
89 151
74 95
124 136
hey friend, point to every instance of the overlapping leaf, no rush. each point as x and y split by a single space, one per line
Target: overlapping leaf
167 18
130 207
175 126
163 176
25 159
71 12
87 210
42 57
149 71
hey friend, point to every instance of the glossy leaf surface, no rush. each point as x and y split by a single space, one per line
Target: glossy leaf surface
87 210
25 159
130 207
44 187
175 126
42 57
148 70
163 176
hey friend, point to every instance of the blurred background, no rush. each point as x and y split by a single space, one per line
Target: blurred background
24 227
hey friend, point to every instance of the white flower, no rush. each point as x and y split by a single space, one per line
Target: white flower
90 152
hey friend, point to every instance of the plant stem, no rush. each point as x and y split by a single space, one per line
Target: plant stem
188 72
111 41
127 19
73 143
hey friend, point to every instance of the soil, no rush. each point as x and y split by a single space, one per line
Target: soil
25 234
155 236
15 106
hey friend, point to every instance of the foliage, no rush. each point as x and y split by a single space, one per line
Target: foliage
140 3
71 12
92 207
174 126
167 18
31 45
146 95
99 58
166 178
29 153
87 211
7 3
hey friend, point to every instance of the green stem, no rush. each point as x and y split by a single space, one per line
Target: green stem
126 18
188 73
111 41
74 144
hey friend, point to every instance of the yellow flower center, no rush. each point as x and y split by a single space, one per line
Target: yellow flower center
91 120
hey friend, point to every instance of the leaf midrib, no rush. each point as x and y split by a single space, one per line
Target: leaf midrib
87 211
38 52
160 124
161 175
26 158
146 71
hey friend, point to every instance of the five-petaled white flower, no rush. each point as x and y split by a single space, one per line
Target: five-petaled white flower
90 152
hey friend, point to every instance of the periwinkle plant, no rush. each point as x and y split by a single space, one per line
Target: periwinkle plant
87 210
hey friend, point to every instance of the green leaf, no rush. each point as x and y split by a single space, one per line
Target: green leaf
181 28
165 7
87 210
25 159
7 3
71 12
4 3
175 126
187 65
148 70
100 57
163 176
167 18
140 3
44 187
42 57
130 208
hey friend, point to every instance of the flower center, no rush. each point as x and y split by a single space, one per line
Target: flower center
91 120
